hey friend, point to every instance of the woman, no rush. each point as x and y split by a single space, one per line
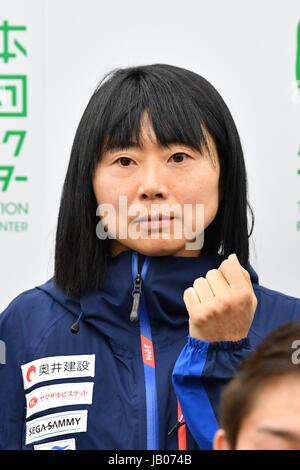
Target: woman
156 164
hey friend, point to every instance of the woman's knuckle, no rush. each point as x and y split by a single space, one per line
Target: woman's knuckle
187 292
213 309
197 283
224 263
245 296
225 302
211 273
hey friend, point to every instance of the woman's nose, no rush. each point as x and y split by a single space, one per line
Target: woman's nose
152 184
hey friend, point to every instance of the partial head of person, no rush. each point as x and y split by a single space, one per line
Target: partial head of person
260 407
161 138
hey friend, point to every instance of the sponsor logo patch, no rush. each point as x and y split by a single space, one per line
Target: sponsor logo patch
56 424
58 367
64 394
65 444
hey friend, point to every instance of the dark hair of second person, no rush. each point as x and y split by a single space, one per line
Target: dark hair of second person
259 407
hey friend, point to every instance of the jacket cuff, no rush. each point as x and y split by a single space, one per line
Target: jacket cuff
218 345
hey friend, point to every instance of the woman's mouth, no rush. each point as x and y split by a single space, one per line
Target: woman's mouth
154 222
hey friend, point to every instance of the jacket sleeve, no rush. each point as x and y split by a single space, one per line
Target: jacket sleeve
12 399
200 373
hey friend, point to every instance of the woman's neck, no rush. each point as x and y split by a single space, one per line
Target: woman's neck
116 248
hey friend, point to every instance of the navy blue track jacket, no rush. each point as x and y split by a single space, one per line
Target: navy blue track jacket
109 386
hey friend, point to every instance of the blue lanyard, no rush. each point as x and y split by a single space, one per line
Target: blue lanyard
148 360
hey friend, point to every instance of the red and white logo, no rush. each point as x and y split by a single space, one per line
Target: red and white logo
32 402
31 371
59 394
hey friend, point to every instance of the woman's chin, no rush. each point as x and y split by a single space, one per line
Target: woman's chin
151 247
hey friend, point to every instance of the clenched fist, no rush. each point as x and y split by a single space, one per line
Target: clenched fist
221 305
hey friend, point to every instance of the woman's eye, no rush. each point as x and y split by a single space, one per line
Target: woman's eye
179 157
124 161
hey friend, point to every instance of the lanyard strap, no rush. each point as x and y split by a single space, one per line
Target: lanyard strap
149 369
148 362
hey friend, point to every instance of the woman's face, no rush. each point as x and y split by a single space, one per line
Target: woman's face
175 189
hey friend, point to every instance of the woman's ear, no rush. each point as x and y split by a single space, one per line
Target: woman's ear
220 441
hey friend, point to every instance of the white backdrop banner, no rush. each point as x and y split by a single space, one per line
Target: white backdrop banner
53 54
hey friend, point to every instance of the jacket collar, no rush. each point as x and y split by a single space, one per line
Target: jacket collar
167 277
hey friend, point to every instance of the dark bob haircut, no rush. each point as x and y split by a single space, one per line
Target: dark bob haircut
181 106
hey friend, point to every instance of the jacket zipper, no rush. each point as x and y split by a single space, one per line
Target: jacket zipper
139 313
136 294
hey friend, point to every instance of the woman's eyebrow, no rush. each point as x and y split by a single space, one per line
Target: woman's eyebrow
120 148
135 145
